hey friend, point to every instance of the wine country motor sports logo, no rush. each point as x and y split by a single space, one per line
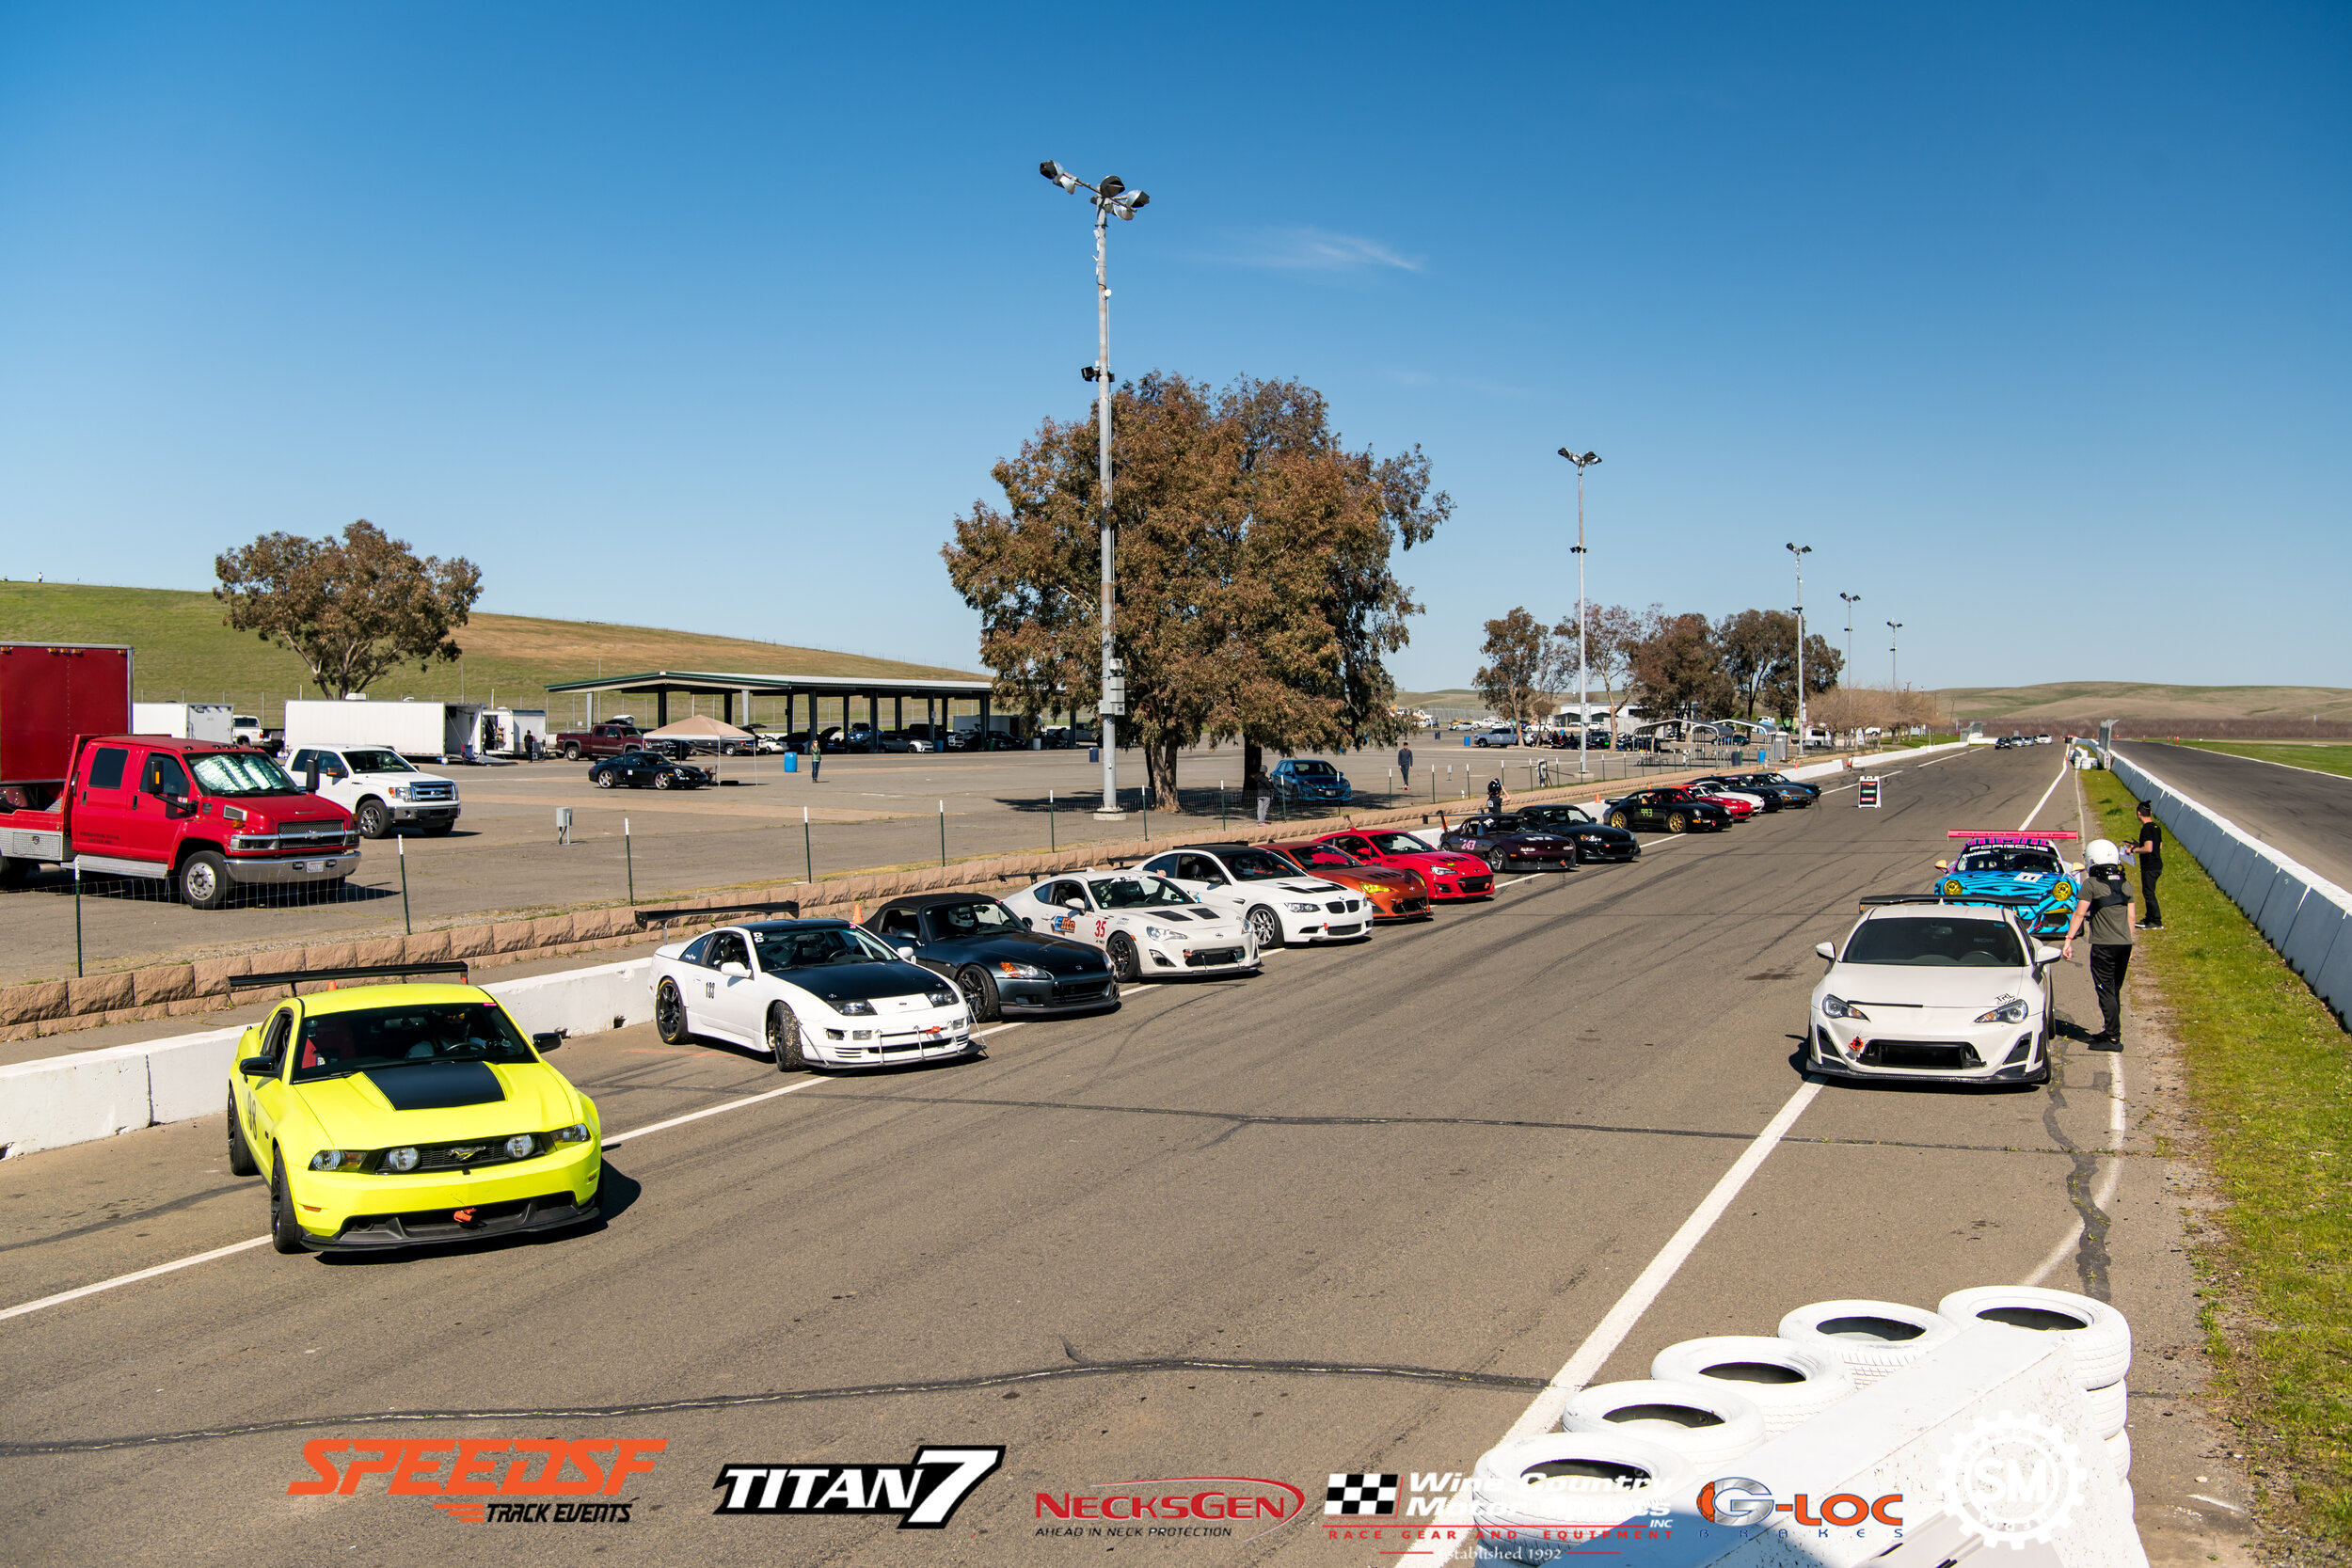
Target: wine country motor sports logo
1174 1507
496 1480
2013 1478
923 1495
1357 1494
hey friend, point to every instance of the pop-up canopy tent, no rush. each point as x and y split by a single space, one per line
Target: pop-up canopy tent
700 730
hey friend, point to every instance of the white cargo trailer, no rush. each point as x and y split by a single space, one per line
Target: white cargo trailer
185 720
503 729
441 731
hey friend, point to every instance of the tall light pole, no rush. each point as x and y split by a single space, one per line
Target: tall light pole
1893 663
1800 551
1583 724
1851 601
1111 196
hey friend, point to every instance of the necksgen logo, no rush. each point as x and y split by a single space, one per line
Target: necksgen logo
1174 1506
476 1480
924 1495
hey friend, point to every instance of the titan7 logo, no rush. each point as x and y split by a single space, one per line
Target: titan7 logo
924 1495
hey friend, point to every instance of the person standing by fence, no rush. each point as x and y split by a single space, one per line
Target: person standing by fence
1404 764
2105 911
2150 853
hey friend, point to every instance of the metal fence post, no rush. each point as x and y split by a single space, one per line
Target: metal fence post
628 856
808 846
943 833
400 846
77 917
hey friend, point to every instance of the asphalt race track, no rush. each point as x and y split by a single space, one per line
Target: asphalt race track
1348 1216
2306 814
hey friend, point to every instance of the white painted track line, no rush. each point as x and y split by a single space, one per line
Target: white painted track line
2062 773
1449 1531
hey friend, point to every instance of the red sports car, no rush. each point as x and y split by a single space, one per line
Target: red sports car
1449 874
1739 805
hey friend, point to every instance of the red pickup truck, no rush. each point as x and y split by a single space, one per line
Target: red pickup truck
198 815
605 741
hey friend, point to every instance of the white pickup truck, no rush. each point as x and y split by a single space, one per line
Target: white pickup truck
379 788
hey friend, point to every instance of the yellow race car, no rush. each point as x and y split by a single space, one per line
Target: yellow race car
402 1115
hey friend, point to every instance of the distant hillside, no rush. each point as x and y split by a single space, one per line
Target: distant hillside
181 652
2091 701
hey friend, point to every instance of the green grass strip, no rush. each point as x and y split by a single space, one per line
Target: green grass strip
2269 1078
2320 758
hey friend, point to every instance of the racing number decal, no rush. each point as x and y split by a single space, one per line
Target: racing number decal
1102 929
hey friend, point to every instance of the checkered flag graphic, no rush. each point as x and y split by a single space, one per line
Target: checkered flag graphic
1360 1494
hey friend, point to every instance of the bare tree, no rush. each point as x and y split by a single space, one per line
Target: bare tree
1611 632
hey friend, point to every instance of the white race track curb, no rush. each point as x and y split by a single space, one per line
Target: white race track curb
70 1099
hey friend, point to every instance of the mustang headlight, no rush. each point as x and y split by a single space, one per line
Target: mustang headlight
338 1159
1022 972
854 1010
1833 1007
521 1147
576 1134
2009 1012
1951 888
1300 908
399 1159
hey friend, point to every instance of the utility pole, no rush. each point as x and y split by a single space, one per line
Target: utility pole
1111 196
1893 664
1584 724
1800 551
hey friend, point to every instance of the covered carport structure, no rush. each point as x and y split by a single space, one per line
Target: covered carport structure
936 694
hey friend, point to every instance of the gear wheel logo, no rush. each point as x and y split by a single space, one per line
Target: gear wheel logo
2013 1478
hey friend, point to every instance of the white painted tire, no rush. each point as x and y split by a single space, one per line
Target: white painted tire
2119 1455
2098 1335
1789 1383
1706 1423
2131 1503
1565 1480
1870 1339
2111 1407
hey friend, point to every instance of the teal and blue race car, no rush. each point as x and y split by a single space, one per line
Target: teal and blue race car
2021 870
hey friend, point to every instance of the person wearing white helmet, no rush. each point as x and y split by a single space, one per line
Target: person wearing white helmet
2105 911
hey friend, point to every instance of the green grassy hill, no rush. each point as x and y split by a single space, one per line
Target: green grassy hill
2094 700
183 652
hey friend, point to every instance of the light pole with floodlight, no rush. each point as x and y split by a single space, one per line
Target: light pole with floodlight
1893 663
1800 551
1851 601
1111 196
1583 720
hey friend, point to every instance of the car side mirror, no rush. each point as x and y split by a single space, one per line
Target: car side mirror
2044 954
1943 865
906 952
178 805
1027 924
258 1067
1826 950
735 971
548 1040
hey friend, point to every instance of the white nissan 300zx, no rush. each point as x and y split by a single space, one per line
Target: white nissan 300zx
811 993
1925 990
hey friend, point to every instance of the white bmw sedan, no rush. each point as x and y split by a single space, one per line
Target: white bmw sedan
1147 926
1281 903
1922 990
810 992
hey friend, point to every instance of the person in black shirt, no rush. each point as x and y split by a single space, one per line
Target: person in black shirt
1405 764
2150 850
2104 912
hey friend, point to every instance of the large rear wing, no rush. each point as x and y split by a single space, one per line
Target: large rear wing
292 977
1996 835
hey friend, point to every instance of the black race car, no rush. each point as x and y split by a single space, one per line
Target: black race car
1675 811
1792 791
1505 843
1003 969
638 770
1594 841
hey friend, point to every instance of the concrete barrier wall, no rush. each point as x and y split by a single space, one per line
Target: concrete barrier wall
70 1099
2305 916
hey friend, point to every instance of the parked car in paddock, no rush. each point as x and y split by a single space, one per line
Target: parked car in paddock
811 993
608 739
1925 989
1004 968
1501 735
1506 843
2023 871
1739 803
1390 893
1448 874
1792 792
1310 780
407 1114
1594 841
646 770
1281 903
1146 925
381 790
1672 810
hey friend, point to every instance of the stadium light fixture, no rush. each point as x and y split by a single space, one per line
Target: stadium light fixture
1583 721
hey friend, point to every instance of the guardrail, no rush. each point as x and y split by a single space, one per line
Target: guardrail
2304 915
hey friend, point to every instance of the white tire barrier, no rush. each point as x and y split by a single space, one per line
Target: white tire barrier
1870 1339
2119 1455
1526 1491
1706 1423
1785 1380
2096 1332
2111 1407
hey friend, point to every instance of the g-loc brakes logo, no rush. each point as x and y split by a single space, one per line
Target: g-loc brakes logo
472 1489
924 1495
1739 1502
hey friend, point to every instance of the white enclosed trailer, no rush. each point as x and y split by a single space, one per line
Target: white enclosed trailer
185 720
441 731
503 729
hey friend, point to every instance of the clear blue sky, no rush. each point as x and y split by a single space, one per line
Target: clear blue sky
2031 319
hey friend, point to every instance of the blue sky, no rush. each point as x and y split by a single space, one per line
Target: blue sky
2031 319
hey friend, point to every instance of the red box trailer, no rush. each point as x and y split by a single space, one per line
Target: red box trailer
50 692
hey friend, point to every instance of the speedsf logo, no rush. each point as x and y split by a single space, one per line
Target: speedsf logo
498 1480
923 1495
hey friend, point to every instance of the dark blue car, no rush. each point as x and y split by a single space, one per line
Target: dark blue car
1311 779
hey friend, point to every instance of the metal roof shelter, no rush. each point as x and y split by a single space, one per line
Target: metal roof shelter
728 685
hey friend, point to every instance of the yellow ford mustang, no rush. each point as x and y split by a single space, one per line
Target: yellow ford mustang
395 1115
